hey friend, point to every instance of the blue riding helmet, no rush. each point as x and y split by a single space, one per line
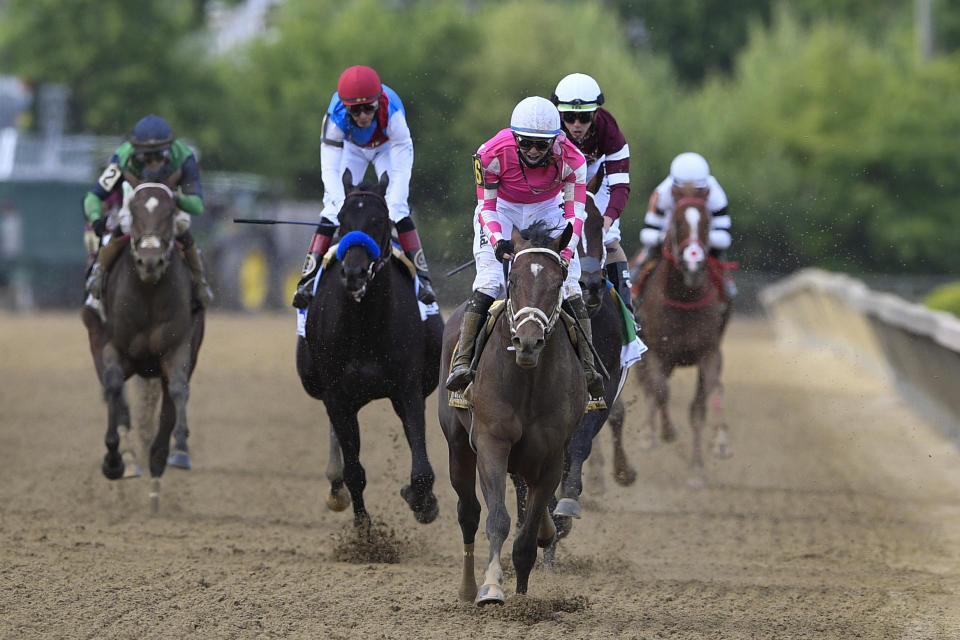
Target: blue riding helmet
152 133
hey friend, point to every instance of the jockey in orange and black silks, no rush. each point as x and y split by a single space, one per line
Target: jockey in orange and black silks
365 124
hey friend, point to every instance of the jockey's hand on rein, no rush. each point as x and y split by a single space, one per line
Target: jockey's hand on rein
502 248
99 226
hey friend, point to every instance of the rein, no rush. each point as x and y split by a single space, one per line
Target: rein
517 318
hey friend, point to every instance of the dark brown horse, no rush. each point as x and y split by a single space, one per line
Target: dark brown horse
147 328
605 318
528 397
683 317
363 338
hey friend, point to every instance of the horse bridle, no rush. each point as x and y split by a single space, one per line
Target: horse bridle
517 318
377 263
151 240
688 242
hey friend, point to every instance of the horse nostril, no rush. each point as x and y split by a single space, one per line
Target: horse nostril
539 344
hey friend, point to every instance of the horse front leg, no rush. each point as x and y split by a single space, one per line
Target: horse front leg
419 493
339 498
345 426
463 473
571 481
698 413
714 389
492 466
175 379
623 472
112 379
538 529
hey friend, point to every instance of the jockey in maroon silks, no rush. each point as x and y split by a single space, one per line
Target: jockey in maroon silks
596 134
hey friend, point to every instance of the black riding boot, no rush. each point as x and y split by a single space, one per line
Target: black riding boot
410 243
192 256
618 273
594 379
318 247
474 315
107 255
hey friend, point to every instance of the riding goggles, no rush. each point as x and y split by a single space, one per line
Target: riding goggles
586 117
150 157
540 144
357 109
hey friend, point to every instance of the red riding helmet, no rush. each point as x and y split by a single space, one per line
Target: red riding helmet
359 85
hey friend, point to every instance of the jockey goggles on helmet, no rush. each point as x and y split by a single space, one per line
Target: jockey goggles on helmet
357 109
152 156
540 144
586 117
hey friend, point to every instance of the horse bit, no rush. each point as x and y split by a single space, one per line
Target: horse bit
518 318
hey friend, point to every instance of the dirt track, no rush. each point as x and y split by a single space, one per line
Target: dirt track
838 516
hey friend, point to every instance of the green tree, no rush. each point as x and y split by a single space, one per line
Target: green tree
121 60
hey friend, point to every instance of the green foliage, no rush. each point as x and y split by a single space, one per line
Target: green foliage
121 60
945 298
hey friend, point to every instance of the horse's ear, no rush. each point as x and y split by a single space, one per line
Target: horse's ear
347 181
564 238
515 236
382 185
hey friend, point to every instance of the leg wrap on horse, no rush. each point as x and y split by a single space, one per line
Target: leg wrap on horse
105 258
410 243
594 379
474 315
191 254
322 239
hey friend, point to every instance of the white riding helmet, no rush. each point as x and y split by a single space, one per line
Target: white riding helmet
690 169
535 117
578 92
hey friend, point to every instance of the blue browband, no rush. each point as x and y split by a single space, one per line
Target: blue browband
355 238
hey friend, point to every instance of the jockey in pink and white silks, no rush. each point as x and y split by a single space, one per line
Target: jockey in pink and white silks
525 174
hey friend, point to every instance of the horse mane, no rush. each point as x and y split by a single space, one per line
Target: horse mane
538 234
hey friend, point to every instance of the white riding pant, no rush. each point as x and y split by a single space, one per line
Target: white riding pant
357 159
512 215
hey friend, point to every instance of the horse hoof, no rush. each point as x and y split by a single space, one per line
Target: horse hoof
564 527
425 508
131 470
490 594
646 442
112 471
180 459
697 481
338 500
625 478
568 507
669 435
155 496
722 451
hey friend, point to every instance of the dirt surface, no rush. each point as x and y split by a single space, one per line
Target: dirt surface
837 517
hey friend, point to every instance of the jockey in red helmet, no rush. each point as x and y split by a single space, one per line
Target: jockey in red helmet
365 124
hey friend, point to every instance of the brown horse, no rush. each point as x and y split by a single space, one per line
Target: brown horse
148 328
683 317
526 405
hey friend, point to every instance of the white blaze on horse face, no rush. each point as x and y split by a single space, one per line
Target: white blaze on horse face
151 204
535 269
150 242
693 253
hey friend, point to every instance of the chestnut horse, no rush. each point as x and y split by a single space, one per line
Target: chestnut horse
148 328
526 405
682 318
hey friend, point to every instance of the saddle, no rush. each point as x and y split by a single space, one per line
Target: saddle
464 399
